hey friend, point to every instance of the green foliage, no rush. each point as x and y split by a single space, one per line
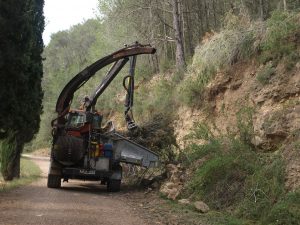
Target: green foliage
21 67
265 74
286 211
291 60
231 175
22 25
283 29
245 124
212 145
29 173
201 131
7 149
209 181
157 98
220 181
263 188
200 151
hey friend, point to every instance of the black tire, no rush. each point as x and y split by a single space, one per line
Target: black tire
54 181
113 185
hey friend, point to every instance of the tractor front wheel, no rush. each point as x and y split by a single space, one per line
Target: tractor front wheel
113 185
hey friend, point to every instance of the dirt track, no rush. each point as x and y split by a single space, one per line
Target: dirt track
75 203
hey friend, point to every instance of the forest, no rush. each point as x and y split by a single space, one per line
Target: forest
175 28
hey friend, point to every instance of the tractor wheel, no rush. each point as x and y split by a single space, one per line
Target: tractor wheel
54 181
113 185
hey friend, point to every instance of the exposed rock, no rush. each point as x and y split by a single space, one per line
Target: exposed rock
236 84
201 206
171 168
218 85
171 185
172 188
184 201
275 115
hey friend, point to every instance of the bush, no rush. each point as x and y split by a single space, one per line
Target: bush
281 35
265 74
245 124
286 211
232 176
154 99
263 188
220 180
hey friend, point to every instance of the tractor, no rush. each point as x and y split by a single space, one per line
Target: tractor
82 148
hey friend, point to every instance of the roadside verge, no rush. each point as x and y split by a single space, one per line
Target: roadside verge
29 173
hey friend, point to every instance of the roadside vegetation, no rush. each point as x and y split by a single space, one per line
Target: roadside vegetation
29 173
237 179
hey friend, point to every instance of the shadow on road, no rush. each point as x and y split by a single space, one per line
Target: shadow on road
93 188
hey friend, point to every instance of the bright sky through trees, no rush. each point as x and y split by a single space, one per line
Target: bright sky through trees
62 14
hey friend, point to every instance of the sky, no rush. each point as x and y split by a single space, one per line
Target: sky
62 14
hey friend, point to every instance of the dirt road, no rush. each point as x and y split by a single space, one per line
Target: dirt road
75 203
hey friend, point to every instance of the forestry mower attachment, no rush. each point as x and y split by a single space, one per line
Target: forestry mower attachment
82 148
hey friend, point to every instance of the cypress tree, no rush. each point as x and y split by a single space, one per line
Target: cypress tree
21 71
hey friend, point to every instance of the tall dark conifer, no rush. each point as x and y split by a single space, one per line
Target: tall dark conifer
21 46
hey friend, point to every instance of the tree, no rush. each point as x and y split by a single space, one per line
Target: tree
22 25
180 61
284 5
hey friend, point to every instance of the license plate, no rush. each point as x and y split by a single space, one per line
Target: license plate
88 172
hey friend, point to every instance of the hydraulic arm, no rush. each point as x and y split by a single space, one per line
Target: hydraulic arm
119 58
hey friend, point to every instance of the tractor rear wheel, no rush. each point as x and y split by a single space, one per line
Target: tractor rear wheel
54 181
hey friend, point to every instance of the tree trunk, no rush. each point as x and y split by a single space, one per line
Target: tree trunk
214 13
180 61
189 32
261 9
16 165
206 9
284 5
10 158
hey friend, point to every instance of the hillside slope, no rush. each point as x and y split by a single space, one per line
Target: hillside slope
237 123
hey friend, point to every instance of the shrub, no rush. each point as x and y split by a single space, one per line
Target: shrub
220 180
233 176
265 74
245 124
281 35
286 211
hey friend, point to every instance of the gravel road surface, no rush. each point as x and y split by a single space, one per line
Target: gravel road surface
75 203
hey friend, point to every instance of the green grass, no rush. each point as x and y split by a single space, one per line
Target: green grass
286 211
29 173
220 182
